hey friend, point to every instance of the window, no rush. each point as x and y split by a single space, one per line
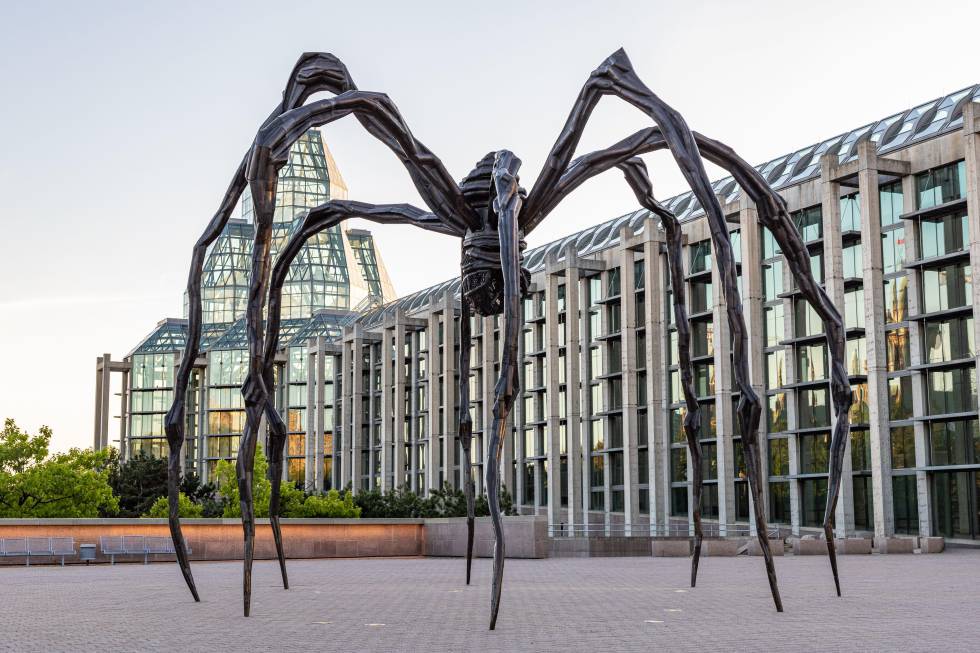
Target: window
941 185
896 299
814 495
701 297
854 309
943 235
893 250
701 257
776 368
808 322
860 451
813 409
954 443
775 327
812 362
855 356
770 248
772 280
903 447
853 261
776 415
900 398
897 349
952 391
948 340
814 453
850 212
890 203
778 456
779 505
946 287
810 223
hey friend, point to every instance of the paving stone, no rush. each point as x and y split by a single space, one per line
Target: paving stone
567 604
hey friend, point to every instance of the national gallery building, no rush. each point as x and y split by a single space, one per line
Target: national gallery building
890 213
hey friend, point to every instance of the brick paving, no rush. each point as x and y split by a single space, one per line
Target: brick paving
898 602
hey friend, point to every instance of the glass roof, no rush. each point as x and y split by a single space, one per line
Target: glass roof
170 335
323 323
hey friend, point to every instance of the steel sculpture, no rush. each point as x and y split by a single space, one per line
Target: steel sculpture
491 214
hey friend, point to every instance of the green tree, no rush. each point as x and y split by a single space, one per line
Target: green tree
226 480
185 508
34 483
138 483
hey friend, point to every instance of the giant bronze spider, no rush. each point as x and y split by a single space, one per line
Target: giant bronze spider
491 214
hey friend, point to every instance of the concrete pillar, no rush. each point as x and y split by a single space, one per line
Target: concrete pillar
387 438
724 415
449 382
320 398
585 393
311 406
552 279
834 284
357 423
658 436
971 149
753 298
346 428
123 414
97 428
628 323
432 396
577 507
400 389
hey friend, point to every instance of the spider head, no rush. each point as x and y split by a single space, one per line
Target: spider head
483 281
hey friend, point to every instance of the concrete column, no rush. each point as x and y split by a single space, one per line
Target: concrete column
971 149
346 428
432 397
658 438
449 381
320 397
834 276
414 461
97 429
400 390
585 400
203 421
874 321
123 414
357 423
724 415
792 418
628 323
372 435
577 506
753 297
553 410
387 438
311 406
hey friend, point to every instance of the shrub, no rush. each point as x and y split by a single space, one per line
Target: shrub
185 508
331 504
446 501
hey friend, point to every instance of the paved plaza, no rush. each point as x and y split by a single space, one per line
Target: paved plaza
893 603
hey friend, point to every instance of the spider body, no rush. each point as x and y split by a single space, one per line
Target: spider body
490 213
482 276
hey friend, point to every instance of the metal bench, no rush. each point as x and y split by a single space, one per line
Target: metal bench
38 546
136 545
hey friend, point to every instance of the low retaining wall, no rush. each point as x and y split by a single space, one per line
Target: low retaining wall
526 537
221 539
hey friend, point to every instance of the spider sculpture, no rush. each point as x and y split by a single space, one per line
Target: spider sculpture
491 213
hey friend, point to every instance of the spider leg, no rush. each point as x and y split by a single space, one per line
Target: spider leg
381 118
772 213
639 181
465 430
507 206
312 73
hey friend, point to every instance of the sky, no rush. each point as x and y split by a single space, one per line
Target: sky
123 123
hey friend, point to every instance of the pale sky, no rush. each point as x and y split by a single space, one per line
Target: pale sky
123 123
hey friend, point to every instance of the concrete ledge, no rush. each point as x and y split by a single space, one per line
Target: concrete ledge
894 545
526 536
809 547
853 545
712 547
777 546
662 548
932 544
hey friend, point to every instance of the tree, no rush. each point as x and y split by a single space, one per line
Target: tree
36 484
138 483
331 504
227 483
186 508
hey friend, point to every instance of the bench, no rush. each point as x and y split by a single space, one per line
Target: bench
136 545
38 546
